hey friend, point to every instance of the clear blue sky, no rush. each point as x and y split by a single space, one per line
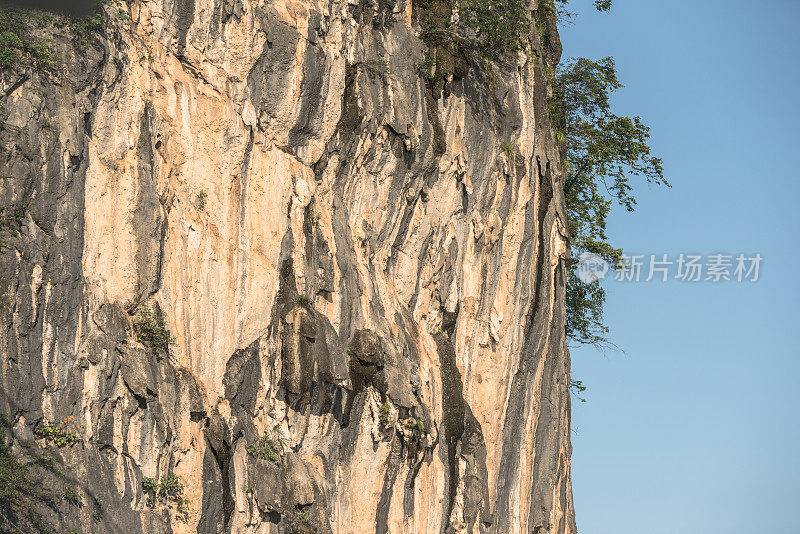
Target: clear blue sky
694 430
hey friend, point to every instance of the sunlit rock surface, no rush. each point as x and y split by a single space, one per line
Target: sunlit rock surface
348 262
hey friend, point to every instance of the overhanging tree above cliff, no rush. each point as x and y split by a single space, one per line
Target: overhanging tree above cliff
601 152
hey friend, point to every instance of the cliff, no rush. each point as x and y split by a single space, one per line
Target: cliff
264 269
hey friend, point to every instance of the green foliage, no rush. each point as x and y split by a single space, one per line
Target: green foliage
170 487
74 531
384 413
298 522
19 48
202 196
151 330
501 25
492 28
601 152
97 517
14 483
168 491
58 433
14 476
510 149
150 488
415 424
303 300
72 497
577 388
430 67
20 487
585 304
11 220
84 28
268 447
561 14
378 67
602 5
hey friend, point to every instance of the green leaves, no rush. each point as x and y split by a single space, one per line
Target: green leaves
602 5
19 48
57 433
601 151
151 330
169 490
268 447
384 411
11 217
72 497
500 25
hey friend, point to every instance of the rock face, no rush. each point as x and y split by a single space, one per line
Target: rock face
364 290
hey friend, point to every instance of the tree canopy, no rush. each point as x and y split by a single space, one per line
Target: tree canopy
601 152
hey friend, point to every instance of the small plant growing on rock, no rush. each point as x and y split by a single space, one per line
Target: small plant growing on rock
415 424
151 330
384 412
97 517
378 67
303 300
182 508
11 220
510 149
169 490
18 482
268 448
170 487
57 433
19 48
299 522
202 196
72 497
150 488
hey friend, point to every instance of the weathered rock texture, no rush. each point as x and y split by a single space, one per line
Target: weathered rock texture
347 261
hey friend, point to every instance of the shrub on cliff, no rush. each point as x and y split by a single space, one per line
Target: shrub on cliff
500 25
168 491
151 329
58 433
19 48
268 447
601 152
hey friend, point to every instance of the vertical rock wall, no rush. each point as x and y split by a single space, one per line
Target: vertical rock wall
363 275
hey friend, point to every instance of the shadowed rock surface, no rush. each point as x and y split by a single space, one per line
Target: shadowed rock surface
364 290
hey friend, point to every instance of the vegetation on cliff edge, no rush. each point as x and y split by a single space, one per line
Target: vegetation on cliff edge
601 153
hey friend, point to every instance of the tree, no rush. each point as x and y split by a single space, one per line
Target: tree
601 152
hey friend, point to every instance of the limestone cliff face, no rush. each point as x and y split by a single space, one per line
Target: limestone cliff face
349 263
